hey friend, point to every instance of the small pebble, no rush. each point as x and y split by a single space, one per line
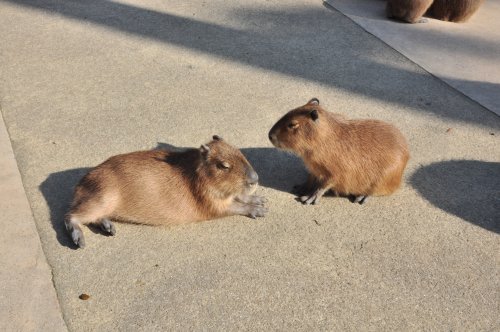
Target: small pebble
84 297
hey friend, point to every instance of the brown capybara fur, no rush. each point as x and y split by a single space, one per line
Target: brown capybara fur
445 10
350 157
161 187
410 11
453 10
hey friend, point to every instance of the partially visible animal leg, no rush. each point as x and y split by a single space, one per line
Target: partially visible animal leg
251 211
107 226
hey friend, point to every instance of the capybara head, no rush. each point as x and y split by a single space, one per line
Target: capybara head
227 170
296 130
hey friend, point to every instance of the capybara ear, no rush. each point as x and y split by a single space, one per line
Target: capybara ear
217 138
314 101
204 150
314 114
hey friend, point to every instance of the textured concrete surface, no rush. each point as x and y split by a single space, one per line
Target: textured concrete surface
464 55
28 300
81 81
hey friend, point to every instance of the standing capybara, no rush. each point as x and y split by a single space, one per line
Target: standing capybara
350 157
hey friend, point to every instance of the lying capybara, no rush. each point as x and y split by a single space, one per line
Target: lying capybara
161 187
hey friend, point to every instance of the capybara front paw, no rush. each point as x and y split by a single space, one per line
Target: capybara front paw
258 200
256 211
251 199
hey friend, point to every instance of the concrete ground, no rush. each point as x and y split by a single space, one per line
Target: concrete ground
464 55
28 300
80 81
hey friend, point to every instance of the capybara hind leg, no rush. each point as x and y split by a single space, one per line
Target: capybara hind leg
306 188
75 231
107 226
314 197
392 183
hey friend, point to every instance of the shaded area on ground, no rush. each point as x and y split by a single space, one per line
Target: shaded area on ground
464 55
57 190
276 169
269 45
469 189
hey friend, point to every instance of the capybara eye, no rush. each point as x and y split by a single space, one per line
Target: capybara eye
293 125
223 165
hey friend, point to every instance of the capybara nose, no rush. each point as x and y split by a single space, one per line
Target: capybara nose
252 178
272 137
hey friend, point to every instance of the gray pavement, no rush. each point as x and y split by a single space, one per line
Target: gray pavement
464 55
82 81
28 300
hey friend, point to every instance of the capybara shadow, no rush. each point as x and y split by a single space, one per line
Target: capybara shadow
276 169
469 189
57 190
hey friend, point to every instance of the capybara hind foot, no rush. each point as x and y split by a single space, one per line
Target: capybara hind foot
108 227
314 197
75 232
360 199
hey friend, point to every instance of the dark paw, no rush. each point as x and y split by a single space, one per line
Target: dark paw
108 227
77 237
